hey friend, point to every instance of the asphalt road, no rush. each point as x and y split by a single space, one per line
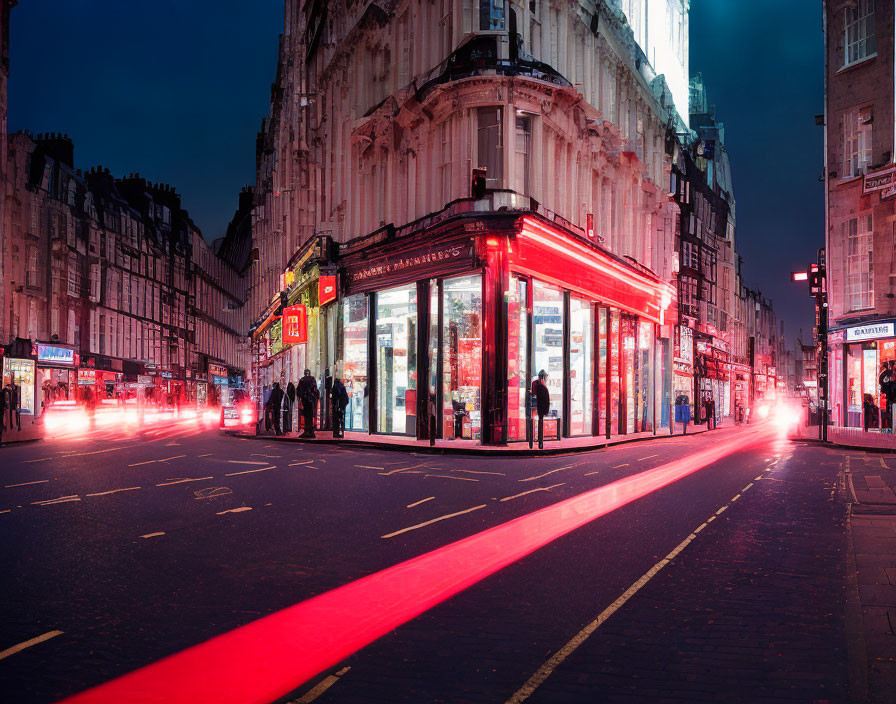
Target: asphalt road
138 547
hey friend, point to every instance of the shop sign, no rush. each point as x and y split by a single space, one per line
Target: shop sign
22 371
166 375
144 379
421 260
87 377
872 331
682 368
685 350
326 289
295 325
217 370
837 337
219 380
55 355
879 180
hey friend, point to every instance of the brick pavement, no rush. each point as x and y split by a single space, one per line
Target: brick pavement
751 611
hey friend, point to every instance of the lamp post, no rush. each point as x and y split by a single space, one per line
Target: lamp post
816 276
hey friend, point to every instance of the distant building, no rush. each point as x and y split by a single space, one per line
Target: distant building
860 178
5 7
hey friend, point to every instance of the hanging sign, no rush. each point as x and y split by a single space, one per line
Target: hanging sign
326 289
55 355
295 325
879 180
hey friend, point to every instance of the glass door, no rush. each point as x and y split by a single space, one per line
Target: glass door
581 361
517 358
462 356
396 360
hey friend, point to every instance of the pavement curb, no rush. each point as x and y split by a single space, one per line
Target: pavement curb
470 451
841 446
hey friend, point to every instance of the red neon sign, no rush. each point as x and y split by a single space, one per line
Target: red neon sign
295 325
326 289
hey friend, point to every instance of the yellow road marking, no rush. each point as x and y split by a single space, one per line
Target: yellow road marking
588 474
153 535
208 454
249 462
402 469
320 688
137 464
532 491
249 471
95 452
235 510
434 520
42 459
746 487
114 491
447 476
721 509
6 510
417 503
620 465
473 471
40 481
641 459
28 643
181 481
60 500
294 464
559 469
735 497
367 466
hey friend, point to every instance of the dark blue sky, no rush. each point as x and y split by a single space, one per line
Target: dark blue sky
176 90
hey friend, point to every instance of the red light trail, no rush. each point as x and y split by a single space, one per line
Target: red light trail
270 657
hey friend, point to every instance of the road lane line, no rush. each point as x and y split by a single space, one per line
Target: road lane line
532 491
176 457
28 643
746 487
295 464
588 474
181 481
60 500
735 498
248 462
137 464
620 465
207 454
96 452
473 471
39 481
249 471
153 535
6 510
320 688
401 469
421 501
434 520
41 459
114 491
721 509
367 466
559 469
641 459
235 510
447 476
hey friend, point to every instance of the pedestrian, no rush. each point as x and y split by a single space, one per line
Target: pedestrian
542 403
276 404
266 405
308 394
870 411
4 404
15 401
290 402
338 402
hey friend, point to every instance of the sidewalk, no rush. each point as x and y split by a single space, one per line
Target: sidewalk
871 602
472 447
30 431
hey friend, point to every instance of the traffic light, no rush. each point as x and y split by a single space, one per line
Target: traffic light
816 279
477 183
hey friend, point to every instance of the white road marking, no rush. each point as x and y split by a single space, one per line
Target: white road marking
532 491
248 462
446 476
95 452
559 469
235 510
208 454
6 510
434 520
153 535
401 469
473 471
320 687
39 481
60 500
641 459
249 471
296 464
181 481
114 491
421 501
367 466
28 643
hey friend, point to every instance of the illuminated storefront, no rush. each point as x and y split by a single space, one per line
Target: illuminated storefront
443 331
56 372
21 372
856 358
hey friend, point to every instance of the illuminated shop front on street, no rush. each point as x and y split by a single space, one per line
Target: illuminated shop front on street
856 354
445 323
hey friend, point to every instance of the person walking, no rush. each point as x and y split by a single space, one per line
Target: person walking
308 394
276 403
289 404
542 403
4 404
266 405
15 400
338 402
885 380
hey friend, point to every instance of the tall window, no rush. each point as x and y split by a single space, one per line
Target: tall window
856 141
354 328
445 160
857 232
860 41
523 152
32 271
491 15
491 145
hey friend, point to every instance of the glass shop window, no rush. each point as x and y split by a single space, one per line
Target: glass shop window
581 361
354 374
517 358
462 357
396 350
547 329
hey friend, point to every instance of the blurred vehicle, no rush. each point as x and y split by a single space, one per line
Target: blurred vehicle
761 410
238 415
65 417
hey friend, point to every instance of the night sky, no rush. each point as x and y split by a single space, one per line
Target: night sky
176 91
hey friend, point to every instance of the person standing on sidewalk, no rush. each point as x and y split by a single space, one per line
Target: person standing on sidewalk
15 398
542 403
4 404
338 402
308 395
277 408
288 404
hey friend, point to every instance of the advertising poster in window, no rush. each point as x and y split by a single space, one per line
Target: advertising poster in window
21 372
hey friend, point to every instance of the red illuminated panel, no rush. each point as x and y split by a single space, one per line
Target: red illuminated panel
295 325
326 289
268 658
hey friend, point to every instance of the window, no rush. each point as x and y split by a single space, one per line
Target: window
354 329
445 160
462 356
491 15
547 334
31 272
517 358
523 152
856 141
858 235
491 145
74 277
581 360
859 41
396 349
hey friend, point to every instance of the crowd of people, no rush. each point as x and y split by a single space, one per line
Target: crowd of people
301 401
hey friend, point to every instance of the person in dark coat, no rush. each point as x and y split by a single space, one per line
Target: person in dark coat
276 402
308 394
15 400
871 412
542 403
4 404
290 402
338 402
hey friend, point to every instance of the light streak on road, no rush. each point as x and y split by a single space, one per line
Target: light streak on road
270 657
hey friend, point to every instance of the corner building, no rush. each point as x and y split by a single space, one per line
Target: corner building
451 294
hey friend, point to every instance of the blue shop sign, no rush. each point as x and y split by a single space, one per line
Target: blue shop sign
219 380
55 355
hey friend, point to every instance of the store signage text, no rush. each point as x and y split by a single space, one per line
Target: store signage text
880 180
217 370
326 289
55 355
295 325
410 262
869 332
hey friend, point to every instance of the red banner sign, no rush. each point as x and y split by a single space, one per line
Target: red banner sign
326 289
295 325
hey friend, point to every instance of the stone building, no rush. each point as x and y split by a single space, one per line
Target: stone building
406 133
5 7
860 179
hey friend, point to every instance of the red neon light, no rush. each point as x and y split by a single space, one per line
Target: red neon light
266 659
295 325
800 275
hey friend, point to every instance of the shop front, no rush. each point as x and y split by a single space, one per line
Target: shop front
443 330
857 357
57 369
22 372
